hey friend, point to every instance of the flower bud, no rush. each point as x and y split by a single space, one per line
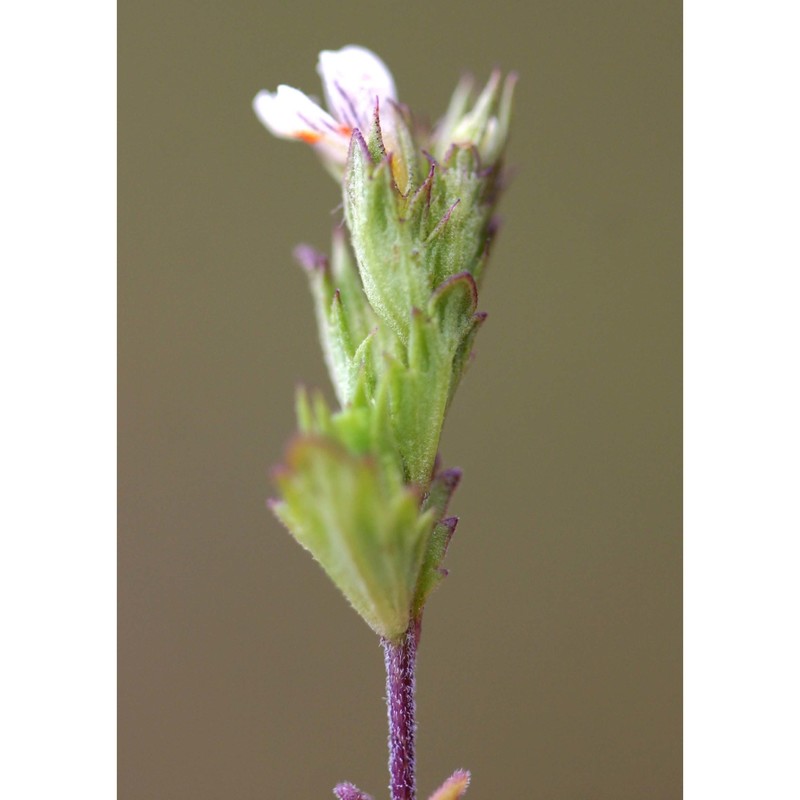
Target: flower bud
485 125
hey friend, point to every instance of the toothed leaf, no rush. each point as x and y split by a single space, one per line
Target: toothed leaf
441 491
463 354
432 573
363 526
453 304
390 271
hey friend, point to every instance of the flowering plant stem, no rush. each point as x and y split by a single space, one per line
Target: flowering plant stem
400 659
362 487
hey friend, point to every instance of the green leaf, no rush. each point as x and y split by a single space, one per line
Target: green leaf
344 316
432 573
389 264
418 393
453 303
405 155
339 350
460 213
463 355
345 278
436 500
441 491
360 523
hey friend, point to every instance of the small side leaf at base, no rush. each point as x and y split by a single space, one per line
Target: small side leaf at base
441 490
454 787
346 791
432 573
436 501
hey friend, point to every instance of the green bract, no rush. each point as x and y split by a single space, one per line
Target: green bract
397 311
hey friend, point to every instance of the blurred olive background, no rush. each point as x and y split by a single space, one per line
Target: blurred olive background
551 657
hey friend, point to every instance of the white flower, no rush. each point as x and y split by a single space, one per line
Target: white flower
354 80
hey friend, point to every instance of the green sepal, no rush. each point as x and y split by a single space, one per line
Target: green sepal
388 260
345 277
394 142
374 138
363 428
382 432
418 204
344 316
463 355
432 574
421 386
461 211
360 523
363 364
403 150
341 350
453 304
418 392
440 492
436 501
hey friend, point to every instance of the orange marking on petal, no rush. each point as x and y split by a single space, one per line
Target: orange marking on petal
309 137
345 129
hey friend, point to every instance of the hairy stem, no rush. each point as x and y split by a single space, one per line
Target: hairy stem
400 658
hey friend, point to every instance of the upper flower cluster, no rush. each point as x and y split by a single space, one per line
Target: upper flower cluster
362 487
356 83
359 89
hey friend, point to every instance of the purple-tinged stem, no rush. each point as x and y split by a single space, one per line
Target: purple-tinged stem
400 658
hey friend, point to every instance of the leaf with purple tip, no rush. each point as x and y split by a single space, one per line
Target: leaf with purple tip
441 491
432 572
453 303
346 791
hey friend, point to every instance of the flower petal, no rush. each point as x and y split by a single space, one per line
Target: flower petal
354 79
290 114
